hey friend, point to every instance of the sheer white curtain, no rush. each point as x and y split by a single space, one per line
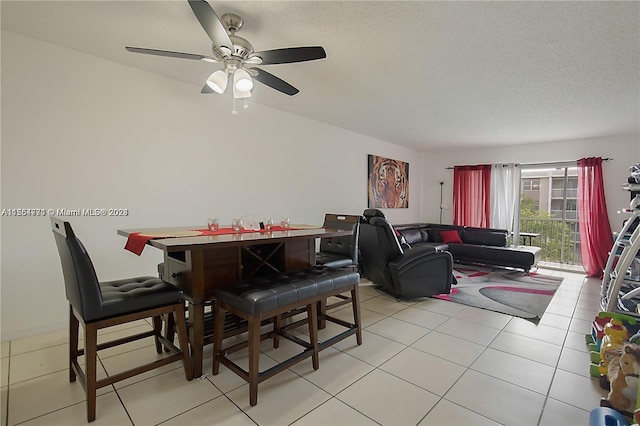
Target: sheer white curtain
504 192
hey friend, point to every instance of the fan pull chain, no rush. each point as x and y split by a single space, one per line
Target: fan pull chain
233 111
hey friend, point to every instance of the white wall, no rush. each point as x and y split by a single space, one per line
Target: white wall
82 132
624 150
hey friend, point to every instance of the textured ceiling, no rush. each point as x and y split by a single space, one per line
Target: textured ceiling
427 75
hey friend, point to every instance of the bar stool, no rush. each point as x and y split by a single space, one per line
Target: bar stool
97 305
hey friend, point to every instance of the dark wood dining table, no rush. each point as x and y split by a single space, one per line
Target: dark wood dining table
199 264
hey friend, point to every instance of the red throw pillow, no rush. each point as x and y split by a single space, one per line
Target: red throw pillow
450 237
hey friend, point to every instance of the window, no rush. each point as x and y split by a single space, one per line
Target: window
531 184
548 206
559 191
556 208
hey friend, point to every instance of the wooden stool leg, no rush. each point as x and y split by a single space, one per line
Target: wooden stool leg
277 323
170 329
254 358
74 326
322 311
90 354
355 304
181 324
312 315
157 330
218 334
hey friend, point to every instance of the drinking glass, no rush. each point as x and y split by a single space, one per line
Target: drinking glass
236 224
213 224
285 222
268 224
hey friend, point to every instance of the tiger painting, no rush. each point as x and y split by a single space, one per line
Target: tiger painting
388 183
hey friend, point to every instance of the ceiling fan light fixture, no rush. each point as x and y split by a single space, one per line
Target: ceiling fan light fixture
240 94
218 81
242 81
236 55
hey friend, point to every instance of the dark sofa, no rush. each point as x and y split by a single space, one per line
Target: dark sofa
470 245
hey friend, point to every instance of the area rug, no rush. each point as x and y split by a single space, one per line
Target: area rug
508 291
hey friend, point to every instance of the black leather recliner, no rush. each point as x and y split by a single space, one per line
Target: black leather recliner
407 274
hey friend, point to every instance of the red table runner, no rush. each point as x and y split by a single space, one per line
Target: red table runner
137 240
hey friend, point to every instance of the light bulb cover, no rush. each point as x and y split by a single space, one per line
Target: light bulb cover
218 81
240 94
242 80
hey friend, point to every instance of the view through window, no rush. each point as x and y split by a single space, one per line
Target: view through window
549 212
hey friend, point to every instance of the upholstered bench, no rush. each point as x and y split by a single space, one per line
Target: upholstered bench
270 297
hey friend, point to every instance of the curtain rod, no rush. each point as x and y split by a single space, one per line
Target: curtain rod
550 163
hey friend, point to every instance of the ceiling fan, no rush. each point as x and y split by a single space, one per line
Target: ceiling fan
236 55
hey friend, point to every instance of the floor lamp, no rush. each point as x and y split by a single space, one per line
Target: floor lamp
441 184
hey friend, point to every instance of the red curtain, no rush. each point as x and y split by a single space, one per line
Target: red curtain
596 239
471 196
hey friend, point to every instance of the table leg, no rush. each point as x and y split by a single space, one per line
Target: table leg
196 336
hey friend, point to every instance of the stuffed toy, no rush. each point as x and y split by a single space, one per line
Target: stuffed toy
615 334
623 379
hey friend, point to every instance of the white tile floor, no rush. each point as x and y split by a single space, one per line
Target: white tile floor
426 363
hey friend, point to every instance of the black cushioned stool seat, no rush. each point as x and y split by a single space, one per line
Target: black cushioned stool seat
127 295
271 296
333 260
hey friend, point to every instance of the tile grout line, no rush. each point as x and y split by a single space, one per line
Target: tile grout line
124 407
375 367
557 366
440 397
468 368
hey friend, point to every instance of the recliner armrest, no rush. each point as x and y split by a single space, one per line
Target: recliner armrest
422 272
412 255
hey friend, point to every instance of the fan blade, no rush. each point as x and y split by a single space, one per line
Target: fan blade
291 54
171 54
206 89
274 82
211 23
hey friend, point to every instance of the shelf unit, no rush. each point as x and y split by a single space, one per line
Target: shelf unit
620 291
